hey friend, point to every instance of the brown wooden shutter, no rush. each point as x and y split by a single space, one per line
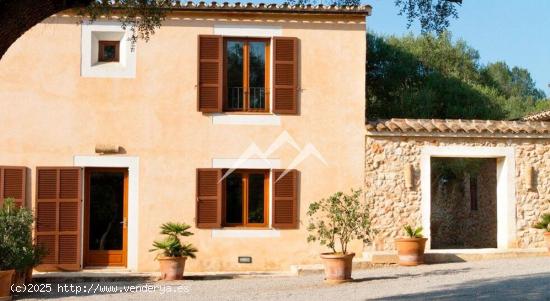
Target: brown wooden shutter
13 184
285 199
58 212
210 86
209 198
285 83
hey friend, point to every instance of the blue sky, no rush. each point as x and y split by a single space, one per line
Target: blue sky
514 31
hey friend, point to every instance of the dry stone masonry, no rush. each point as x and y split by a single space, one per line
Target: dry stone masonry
391 144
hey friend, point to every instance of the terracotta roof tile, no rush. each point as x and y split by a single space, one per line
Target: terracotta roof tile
363 10
457 126
540 116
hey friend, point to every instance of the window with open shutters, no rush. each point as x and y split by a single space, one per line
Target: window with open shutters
234 75
242 198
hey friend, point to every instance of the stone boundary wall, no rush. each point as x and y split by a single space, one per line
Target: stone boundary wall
393 205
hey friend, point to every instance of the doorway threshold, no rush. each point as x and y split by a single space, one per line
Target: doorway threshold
468 251
94 275
99 269
461 255
457 255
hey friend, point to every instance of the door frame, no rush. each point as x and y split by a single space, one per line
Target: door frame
132 163
506 186
86 227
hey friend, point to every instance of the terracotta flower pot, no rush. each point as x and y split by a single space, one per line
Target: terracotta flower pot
337 267
410 250
6 280
171 268
547 239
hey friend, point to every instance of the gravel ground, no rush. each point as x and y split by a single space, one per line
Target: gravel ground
509 279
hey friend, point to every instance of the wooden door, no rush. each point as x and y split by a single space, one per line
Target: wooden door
106 217
58 210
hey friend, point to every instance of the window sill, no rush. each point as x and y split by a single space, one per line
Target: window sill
109 69
245 113
245 233
241 118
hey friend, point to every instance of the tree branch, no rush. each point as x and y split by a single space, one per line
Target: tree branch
18 16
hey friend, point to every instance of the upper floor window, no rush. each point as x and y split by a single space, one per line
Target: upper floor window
234 75
246 78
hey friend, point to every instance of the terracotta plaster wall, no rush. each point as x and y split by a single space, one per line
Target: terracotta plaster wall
393 205
49 114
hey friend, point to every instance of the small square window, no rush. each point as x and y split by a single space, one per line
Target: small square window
108 51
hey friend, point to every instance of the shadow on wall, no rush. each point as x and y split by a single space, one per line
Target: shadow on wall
523 287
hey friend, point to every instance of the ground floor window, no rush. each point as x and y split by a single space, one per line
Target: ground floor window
246 198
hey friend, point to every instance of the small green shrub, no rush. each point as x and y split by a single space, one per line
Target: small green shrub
172 245
340 217
544 222
17 249
413 232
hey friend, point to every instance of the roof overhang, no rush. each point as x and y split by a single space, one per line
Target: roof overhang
458 128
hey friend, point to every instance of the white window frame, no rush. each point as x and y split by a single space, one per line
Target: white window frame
91 34
256 31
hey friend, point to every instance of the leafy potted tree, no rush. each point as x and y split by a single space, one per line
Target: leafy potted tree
18 254
410 249
334 222
173 253
544 224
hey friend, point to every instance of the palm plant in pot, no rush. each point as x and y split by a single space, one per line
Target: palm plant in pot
173 252
410 249
334 222
544 224
18 253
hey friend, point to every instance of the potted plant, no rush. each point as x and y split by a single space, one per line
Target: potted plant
410 249
31 258
334 222
544 224
173 253
18 253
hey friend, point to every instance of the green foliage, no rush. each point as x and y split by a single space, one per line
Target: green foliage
17 250
340 217
433 15
433 77
413 232
172 245
142 17
454 168
516 86
544 222
511 82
